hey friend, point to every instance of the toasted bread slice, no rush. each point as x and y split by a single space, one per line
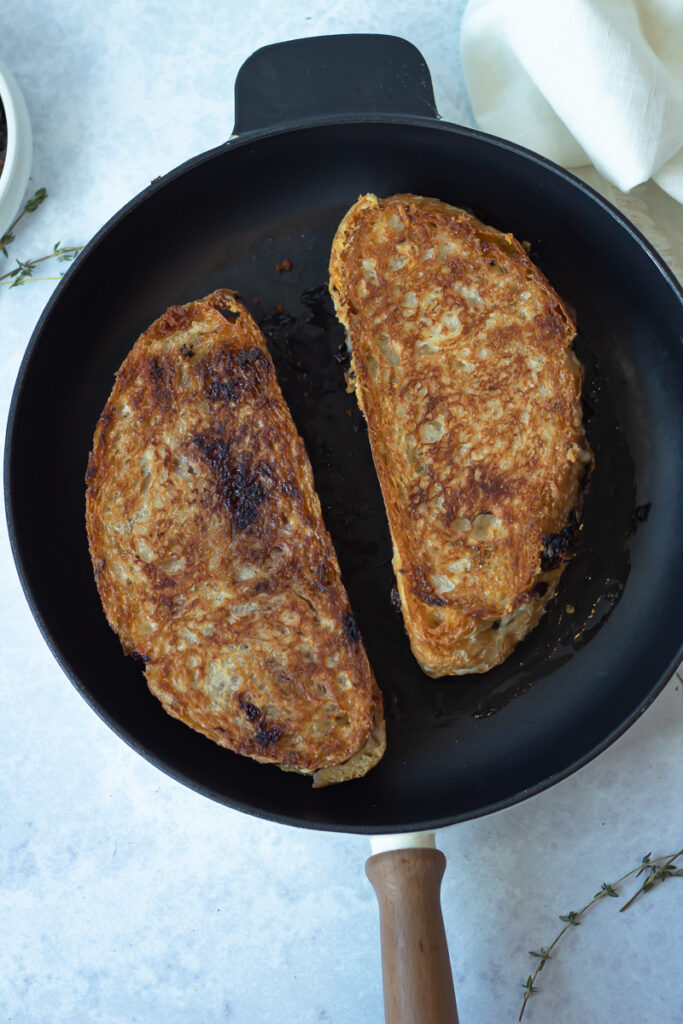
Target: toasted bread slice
211 556
463 367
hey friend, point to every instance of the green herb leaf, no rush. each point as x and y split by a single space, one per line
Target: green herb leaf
645 861
38 198
606 889
570 918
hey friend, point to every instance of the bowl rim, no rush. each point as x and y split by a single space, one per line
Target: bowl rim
19 152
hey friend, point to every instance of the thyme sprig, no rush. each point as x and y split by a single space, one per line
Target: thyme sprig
656 869
654 874
24 268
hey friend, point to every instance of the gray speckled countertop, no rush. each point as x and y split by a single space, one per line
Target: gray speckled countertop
125 897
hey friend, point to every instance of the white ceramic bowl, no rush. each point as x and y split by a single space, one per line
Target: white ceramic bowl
17 166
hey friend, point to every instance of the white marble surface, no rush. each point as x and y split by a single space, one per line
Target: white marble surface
127 898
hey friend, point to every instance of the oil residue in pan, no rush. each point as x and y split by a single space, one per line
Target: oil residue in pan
310 355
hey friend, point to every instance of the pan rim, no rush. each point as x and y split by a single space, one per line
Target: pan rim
237 142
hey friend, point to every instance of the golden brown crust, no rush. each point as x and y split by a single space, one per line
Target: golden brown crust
463 368
210 553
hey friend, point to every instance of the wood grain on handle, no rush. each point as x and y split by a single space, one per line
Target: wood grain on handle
416 969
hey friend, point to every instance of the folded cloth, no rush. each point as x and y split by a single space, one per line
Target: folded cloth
583 82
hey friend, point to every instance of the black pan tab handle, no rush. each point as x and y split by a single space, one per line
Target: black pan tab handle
306 79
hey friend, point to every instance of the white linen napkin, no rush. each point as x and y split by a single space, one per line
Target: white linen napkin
583 82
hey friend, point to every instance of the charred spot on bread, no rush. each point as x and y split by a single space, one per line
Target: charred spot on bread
237 486
424 591
221 389
252 712
162 381
268 732
559 547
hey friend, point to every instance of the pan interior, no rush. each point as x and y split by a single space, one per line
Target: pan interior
456 747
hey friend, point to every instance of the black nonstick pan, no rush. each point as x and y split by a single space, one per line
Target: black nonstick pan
318 122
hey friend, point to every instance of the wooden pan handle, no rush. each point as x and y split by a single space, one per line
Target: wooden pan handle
416 969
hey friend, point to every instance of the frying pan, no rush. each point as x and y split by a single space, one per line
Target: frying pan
319 121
